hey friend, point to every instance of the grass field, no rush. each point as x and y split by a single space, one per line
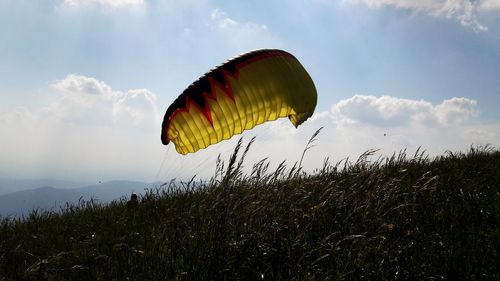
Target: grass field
397 218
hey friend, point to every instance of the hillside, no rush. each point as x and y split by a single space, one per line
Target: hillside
401 218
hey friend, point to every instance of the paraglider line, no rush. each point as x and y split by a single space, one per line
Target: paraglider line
162 163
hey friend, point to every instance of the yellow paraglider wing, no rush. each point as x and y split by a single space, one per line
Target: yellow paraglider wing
240 94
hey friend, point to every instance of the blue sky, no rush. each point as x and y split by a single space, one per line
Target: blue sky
84 84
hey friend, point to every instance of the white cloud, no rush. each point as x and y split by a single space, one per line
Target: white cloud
112 4
455 111
223 21
86 100
392 111
463 11
236 35
489 5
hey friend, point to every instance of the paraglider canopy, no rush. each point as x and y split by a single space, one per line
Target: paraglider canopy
246 91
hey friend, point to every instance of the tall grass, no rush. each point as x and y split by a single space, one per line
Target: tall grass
396 218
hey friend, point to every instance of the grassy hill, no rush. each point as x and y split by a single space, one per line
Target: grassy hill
400 218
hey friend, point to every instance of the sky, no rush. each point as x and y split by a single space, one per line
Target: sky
84 84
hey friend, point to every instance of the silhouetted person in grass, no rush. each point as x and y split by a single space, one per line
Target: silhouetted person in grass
131 210
133 200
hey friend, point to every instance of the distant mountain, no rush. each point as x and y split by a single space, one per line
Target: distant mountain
12 185
49 198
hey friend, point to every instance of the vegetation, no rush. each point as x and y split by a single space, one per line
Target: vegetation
396 218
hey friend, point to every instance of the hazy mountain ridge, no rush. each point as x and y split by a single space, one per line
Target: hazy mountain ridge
9 185
51 198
